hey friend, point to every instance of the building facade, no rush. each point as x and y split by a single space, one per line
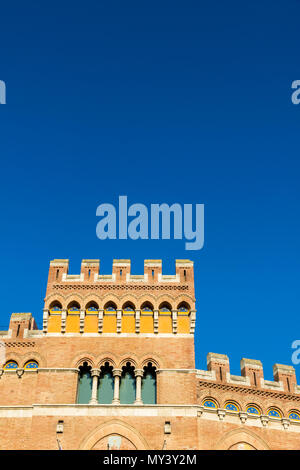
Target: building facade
114 368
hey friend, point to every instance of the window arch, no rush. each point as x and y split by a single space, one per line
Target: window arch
149 384
183 307
294 415
106 384
232 406
209 403
127 386
10 365
31 365
84 391
274 413
183 317
54 320
253 410
92 306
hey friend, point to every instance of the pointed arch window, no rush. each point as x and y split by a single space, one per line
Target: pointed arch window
84 384
149 384
127 386
106 384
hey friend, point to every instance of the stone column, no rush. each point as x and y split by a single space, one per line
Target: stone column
45 320
100 321
95 374
174 321
137 321
117 376
155 320
138 386
119 321
63 320
82 316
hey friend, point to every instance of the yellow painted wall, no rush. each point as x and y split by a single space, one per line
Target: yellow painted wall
109 322
128 322
146 323
54 323
165 322
91 323
183 323
72 322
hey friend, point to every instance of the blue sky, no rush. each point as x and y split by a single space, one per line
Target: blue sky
168 101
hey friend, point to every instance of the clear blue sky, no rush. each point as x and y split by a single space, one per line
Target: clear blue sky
163 101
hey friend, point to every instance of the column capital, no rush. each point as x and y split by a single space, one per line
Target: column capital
117 372
138 372
95 372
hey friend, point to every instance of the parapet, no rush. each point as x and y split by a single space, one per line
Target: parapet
218 370
120 274
20 324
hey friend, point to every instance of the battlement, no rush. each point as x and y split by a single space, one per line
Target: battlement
252 375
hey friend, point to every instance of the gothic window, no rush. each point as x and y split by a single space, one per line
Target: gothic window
149 385
84 384
127 386
106 384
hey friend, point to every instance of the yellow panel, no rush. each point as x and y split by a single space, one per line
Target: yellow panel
54 324
72 323
165 323
183 324
146 324
91 324
109 323
128 323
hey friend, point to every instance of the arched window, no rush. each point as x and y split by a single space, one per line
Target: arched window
127 386
149 385
294 415
106 384
209 403
253 410
31 365
274 413
10 365
73 318
230 406
84 384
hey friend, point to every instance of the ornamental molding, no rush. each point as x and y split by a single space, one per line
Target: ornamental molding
248 391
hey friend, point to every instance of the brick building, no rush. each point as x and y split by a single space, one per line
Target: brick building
114 367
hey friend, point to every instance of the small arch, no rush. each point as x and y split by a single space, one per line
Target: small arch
232 406
110 306
10 365
294 415
183 307
30 365
129 306
165 307
92 306
253 409
73 306
55 305
209 402
147 306
274 412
